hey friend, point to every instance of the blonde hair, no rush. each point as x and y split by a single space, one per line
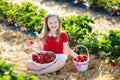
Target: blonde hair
45 30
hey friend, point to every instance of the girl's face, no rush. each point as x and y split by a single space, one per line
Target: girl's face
53 23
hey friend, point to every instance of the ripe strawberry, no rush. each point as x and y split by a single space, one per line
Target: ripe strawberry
113 64
92 67
85 57
52 58
31 42
96 57
81 58
73 70
43 58
77 59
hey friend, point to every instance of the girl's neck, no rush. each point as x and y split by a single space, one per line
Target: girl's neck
53 32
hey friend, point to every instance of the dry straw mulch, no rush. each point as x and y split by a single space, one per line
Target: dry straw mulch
15 52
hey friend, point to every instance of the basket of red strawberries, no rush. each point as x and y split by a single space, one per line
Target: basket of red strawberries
82 60
43 59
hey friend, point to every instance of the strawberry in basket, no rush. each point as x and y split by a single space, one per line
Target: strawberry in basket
81 58
43 58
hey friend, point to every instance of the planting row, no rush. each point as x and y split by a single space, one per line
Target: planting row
25 17
111 7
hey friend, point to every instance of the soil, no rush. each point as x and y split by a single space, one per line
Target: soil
14 50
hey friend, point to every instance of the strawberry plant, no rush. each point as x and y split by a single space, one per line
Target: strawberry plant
4 6
28 20
76 27
105 45
25 13
5 68
7 73
15 14
112 6
31 19
95 3
36 21
110 44
91 42
12 14
29 7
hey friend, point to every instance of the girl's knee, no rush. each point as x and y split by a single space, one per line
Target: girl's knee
28 63
60 63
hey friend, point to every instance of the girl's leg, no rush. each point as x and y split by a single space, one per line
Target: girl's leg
56 66
31 66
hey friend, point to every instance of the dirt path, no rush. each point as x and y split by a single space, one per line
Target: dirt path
103 23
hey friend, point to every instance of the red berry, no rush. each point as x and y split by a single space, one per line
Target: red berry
31 42
113 64
81 58
92 67
43 58
73 70
96 57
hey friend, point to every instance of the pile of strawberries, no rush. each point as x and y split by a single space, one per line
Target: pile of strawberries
81 58
43 58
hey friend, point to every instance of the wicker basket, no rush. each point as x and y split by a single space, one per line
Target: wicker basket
81 66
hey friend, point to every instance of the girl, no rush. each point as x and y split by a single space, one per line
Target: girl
51 39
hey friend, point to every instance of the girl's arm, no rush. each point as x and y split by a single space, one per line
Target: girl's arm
68 50
36 48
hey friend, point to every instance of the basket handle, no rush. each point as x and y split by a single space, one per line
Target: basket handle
83 47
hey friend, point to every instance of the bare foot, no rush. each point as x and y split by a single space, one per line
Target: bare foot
32 72
56 72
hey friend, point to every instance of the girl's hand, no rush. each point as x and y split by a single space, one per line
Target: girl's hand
75 55
29 43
